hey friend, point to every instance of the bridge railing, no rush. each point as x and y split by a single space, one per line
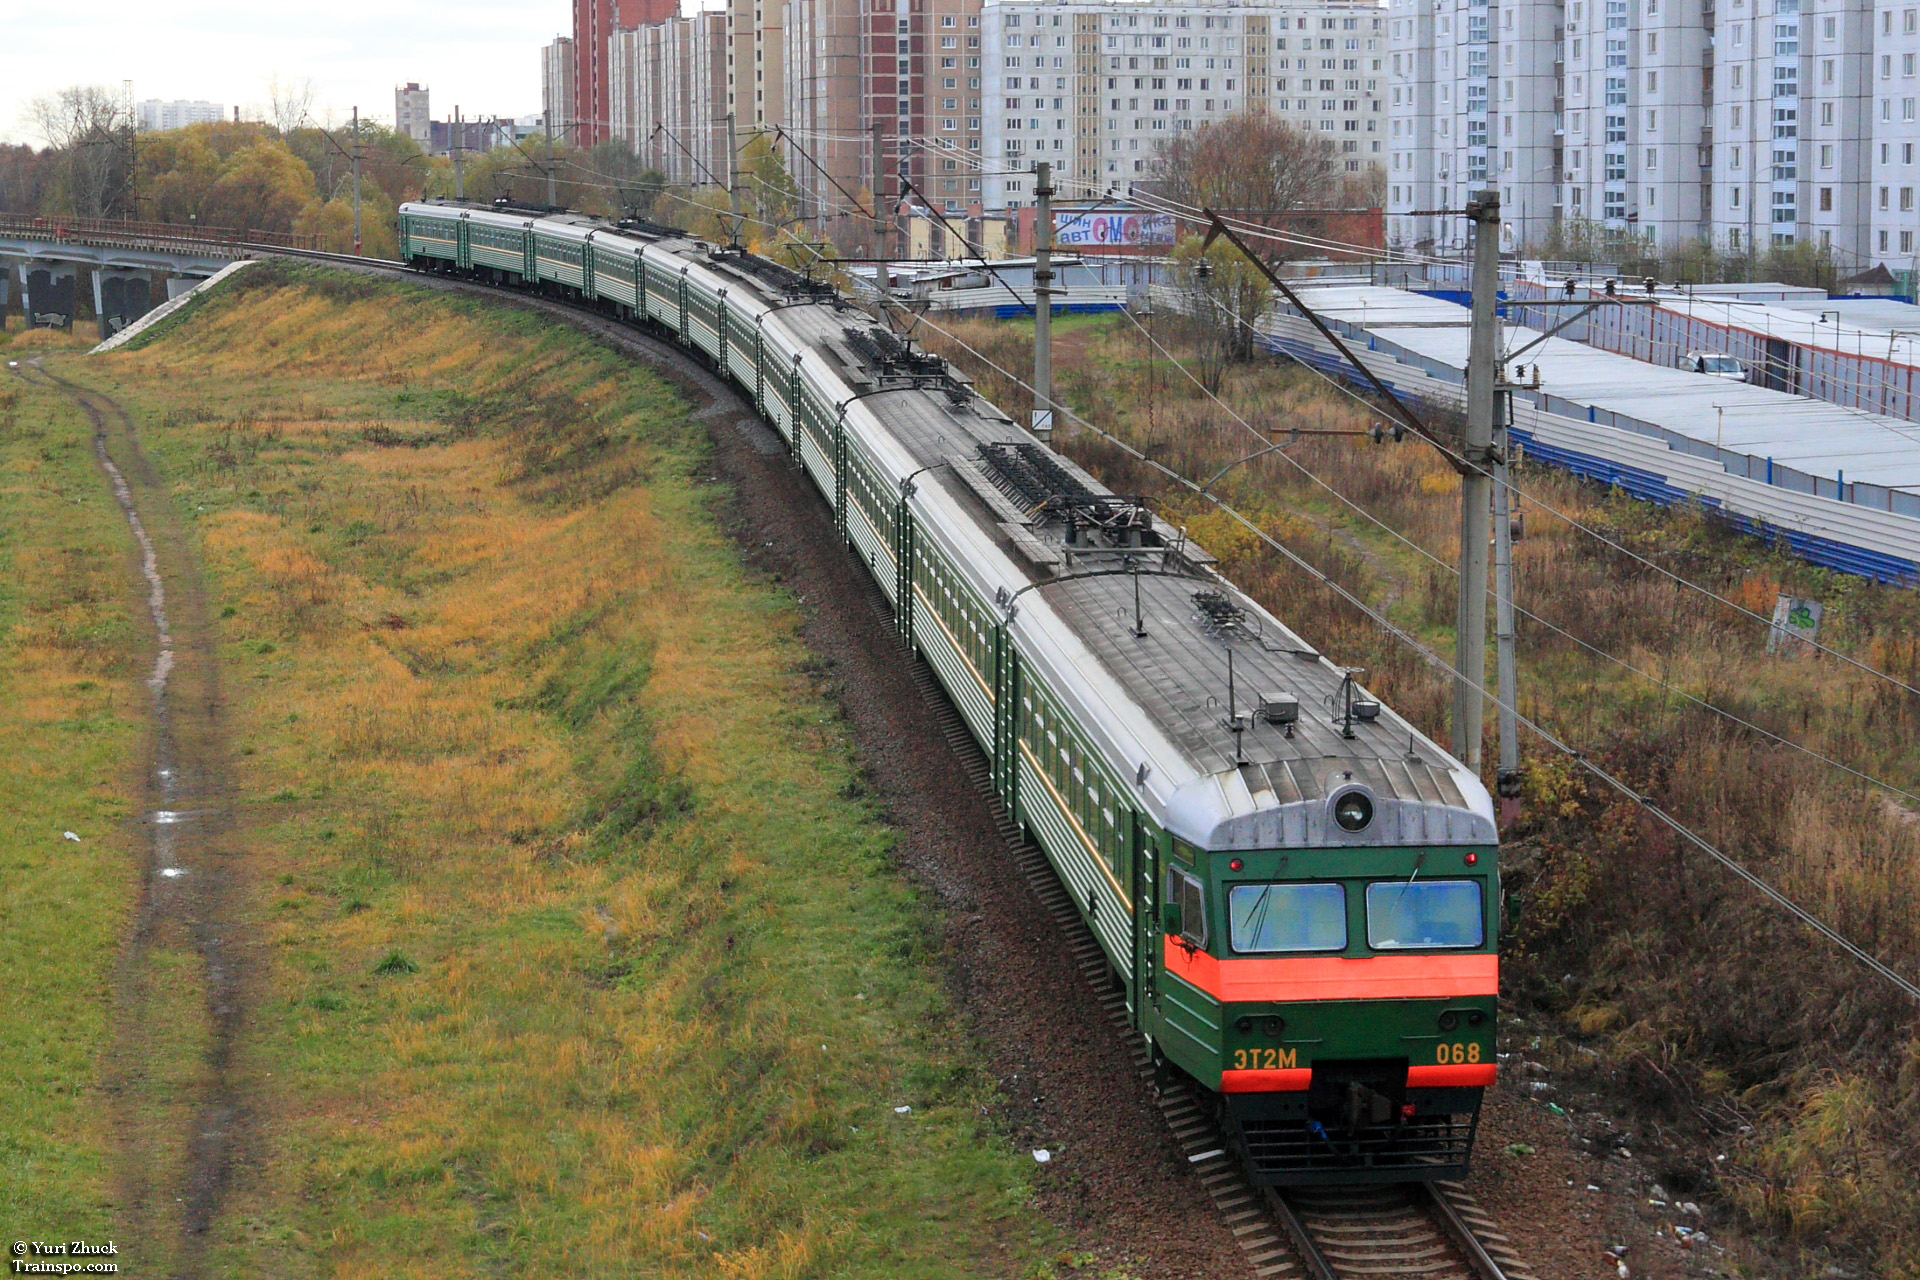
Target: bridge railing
168 237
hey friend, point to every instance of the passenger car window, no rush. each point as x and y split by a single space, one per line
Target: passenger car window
1405 915
1287 917
1186 907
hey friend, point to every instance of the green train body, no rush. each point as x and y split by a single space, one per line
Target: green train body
1296 891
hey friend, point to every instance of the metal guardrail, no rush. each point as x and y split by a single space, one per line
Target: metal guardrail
161 237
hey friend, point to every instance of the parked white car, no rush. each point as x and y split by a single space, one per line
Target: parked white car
1714 365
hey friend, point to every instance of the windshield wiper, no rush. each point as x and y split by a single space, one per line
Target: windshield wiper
1417 864
1257 914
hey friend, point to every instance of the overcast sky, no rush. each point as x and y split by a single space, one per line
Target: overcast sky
480 54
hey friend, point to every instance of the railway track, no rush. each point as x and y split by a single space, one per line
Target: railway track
1420 1231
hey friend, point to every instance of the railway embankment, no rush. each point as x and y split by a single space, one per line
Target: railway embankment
576 935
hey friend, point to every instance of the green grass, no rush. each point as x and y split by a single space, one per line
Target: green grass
578 958
71 707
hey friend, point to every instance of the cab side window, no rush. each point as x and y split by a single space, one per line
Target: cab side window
1186 903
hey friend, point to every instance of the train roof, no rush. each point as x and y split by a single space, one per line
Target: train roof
1062 557
1076 552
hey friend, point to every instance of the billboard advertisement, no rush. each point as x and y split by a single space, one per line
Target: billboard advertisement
1094 228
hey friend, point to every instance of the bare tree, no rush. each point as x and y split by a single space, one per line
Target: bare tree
1253 166
91 128
289 102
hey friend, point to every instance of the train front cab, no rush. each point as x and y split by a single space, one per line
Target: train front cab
1339 1002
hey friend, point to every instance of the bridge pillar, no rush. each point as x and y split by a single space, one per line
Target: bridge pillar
6 291
177 285
47 294
120 297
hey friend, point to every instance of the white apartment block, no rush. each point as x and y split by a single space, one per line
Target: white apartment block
556 86
667 96
413 114
1753 123
158 116
1637 80
1892 222
1473 103
1793 128
1097 87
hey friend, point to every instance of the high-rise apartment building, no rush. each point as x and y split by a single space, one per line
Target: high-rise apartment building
1474 104
691 145
156 115
1098 87
755 56
412 114
557 65
668 95
1753 124
921 84
828 153
594 24
636 79
1637 82
1892 220
1793 128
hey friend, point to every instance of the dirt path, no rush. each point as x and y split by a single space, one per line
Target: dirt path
177 983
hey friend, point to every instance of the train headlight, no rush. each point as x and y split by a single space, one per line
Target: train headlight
1449 1020
1353 811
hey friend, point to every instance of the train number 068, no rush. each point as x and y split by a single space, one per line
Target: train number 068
1459 1053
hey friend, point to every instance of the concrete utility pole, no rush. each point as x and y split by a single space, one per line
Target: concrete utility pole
356 182
733 175
1043 300
459 138
882 272
552 199
1470 643
1507 778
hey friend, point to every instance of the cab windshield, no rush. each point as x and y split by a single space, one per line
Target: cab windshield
1405 915
1287 917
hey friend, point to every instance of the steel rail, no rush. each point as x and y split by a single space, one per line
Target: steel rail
1461 1234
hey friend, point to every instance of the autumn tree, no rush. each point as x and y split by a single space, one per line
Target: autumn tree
628 184
26 178
224 175
1225 297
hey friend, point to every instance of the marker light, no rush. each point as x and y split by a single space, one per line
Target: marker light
1235 865
1472 858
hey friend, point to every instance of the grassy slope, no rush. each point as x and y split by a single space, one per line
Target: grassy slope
584 951
71 712
1696 990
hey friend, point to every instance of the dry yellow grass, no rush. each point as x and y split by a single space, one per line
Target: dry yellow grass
561 902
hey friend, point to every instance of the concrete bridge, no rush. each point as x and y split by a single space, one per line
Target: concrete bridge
133 266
